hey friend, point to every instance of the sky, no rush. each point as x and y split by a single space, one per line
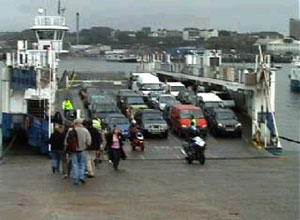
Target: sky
234 15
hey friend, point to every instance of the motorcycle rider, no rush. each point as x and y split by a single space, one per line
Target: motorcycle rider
133 129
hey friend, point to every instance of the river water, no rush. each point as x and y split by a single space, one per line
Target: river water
287 102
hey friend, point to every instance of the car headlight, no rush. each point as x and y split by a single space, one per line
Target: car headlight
238 125
220 125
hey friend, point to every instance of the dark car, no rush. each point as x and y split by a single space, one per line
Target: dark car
101 110
224 121
132 104
117 120
152 99
151 121
122 93
187 97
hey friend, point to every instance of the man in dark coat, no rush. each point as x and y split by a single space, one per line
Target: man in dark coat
93 148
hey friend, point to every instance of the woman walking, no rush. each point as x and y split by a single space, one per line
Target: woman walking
57 149
115 147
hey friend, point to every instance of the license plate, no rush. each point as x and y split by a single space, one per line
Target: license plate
229 129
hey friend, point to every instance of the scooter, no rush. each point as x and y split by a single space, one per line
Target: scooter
138 141
194 150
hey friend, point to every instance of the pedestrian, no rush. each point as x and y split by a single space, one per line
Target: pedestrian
114 147
78 139
67 107
57 149
67 155
57 118
93 148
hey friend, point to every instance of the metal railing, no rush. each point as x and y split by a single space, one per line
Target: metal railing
50 21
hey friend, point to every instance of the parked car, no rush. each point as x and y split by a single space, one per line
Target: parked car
118 120
163 100
132 104
151 122
175 87
187 97
101 110
208 101
224 121
226 98
122 93
181 119
152 98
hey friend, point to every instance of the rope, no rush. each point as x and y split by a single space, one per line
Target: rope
289 139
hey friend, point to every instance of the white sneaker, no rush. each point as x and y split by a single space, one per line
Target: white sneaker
110 162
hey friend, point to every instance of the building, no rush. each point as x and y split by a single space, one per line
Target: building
287 46
295 28
190 34
146 30
164 33
206 34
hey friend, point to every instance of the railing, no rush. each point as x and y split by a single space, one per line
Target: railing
49 21
225 73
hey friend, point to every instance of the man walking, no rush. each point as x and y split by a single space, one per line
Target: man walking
93 148
78 139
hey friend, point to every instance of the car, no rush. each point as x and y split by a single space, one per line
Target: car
163 100
224 121
167 113
226 98
122 93
117 120
101 110
151 121
175 87
132 104
152 98
208 101
187 97
181 119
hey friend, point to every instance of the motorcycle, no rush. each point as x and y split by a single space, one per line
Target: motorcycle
194 150
138 141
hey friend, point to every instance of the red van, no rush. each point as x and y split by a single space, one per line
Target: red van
181 118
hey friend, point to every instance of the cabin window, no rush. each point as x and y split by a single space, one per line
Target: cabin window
45 35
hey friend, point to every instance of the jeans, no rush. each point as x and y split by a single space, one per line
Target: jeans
116 154
78 166
55 158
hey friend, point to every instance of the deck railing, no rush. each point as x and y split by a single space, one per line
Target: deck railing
50 21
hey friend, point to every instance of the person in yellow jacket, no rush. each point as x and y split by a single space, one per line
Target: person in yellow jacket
67 106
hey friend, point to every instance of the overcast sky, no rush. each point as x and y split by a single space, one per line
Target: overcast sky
237 15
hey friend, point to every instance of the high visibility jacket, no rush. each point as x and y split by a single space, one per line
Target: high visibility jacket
194 123
67 105
97 124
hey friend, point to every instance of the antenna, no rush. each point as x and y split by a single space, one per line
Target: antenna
59 7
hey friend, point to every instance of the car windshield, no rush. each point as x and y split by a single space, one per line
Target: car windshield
224 96
212 104
119 121
135 100
226 115
151 86
106 108
177 88
197 113
167 99
152 116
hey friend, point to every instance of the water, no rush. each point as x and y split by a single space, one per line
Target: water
287 102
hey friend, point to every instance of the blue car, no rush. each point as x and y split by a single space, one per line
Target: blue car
119 121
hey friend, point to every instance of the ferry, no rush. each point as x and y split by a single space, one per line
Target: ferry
29 82
121 56
295 74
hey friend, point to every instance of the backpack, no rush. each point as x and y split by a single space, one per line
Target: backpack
72 141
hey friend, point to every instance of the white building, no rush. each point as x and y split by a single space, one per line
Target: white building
192 34
284 46
206 34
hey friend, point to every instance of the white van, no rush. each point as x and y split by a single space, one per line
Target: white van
209 100
175 87
147 83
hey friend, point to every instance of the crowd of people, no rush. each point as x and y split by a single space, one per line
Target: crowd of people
77 147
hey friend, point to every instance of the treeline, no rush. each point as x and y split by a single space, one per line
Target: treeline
227 40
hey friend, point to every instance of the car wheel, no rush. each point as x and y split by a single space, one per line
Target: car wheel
188 160
165 135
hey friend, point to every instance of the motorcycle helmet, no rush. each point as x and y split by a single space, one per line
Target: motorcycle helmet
139 136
